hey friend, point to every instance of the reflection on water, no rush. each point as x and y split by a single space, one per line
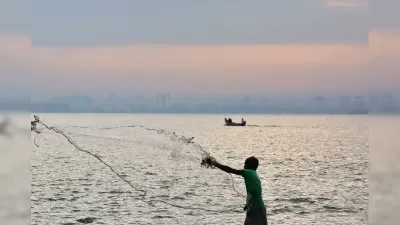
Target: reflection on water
314 170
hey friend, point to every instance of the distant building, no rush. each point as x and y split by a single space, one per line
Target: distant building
383 102
389 100
246 100
163 100
319 100
345 103
359 101
318 104
358 106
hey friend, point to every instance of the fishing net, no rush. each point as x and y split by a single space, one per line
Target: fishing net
156 167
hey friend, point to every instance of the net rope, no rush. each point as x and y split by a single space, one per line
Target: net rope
173 137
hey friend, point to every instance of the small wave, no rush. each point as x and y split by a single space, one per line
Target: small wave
162 217
193 213
150 173
178 198
297 200
74 199
284 209
160 196
86 220
189 193
114 192
327 208
54 199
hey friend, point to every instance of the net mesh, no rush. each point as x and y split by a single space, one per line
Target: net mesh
159 168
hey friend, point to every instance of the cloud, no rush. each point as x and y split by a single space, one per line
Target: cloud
385 59
14 51
201 68
223 68
15 64
385 43
15 45
192 57
207 22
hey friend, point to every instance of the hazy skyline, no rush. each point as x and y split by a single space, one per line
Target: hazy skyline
199 47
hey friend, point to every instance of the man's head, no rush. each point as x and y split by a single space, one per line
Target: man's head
251 163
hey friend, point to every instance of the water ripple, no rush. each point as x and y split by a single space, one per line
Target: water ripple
313 171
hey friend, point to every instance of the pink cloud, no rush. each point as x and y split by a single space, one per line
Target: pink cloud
15 52
228 57
230 68
384 65
384 43
15 64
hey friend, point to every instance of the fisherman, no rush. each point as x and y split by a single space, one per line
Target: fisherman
255 207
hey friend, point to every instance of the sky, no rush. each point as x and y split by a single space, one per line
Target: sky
199 47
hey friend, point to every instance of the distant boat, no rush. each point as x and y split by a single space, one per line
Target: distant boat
230 123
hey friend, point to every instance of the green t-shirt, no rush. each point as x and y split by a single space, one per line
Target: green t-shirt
253 189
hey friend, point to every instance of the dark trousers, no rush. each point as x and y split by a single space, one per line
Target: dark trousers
256 217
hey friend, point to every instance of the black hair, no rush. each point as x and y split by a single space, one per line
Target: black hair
251 163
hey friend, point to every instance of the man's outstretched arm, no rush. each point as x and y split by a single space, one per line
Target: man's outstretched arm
227 169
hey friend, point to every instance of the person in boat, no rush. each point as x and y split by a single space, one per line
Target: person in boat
230 120
256 213
243 121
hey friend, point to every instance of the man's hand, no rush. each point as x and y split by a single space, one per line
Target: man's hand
213 161
209 161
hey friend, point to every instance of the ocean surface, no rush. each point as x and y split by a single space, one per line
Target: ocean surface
314 170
